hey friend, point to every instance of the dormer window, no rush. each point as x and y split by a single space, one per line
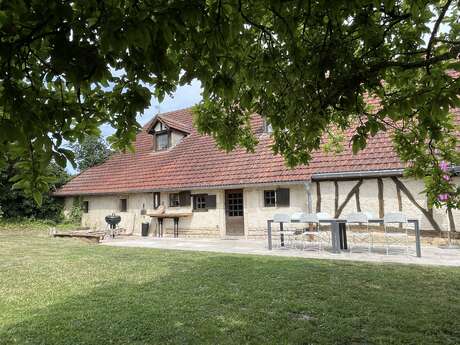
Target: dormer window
162 140
167 133
267 127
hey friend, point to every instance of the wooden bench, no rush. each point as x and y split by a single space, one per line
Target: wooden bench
92 237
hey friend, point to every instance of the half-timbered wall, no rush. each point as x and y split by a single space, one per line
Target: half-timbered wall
380 196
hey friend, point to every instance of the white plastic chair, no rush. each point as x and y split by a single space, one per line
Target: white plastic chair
326 234
295 233
393 237
315 232
359 237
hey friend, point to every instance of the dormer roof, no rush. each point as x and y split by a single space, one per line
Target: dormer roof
170 123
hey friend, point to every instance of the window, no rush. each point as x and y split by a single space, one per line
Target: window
179 199
123 205
267 127
85 206
174 200
203 202
279 197
269 198
161 141
235 204
199 202
156 200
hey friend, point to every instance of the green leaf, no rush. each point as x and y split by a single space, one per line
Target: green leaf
38 197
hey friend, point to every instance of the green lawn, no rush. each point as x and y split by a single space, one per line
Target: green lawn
36 226
56 291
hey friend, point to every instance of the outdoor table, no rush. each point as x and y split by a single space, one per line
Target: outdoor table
174 216
339 233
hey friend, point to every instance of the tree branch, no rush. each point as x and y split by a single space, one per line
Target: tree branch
453 54
435 31
259 26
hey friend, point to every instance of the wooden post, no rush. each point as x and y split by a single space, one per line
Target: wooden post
318 196
451 220
398 195
358 201
336 200
380 196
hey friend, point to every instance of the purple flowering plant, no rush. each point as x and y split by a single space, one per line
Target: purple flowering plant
441 189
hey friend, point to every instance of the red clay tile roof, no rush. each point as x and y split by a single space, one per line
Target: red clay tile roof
196 163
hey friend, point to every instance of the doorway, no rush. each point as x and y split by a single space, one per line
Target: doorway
234 212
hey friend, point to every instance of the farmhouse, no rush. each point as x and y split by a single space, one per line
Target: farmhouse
233 194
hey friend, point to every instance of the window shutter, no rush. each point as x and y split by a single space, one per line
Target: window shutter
156 200
210 201
184 198
282 197
123 205
85 206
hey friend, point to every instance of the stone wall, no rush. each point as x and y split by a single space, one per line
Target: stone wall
206 224
256 215
337 198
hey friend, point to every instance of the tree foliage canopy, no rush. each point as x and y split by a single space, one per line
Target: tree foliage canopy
66 67
15 204
93 150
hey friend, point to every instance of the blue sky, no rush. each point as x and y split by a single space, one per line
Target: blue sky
185 96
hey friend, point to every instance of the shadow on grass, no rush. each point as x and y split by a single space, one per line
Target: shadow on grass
219 299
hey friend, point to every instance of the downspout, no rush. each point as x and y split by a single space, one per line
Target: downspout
307 186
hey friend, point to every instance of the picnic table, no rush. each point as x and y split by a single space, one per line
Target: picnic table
339 232
175 216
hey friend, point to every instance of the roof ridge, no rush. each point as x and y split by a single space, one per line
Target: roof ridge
196 161
174 111
171 119
167 116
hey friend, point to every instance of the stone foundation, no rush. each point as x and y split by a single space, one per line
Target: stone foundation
337 198
190 233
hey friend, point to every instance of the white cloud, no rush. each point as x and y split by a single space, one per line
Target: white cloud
184 97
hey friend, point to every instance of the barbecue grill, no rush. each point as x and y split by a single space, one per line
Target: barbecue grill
112 220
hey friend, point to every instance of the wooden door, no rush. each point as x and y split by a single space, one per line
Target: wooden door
234 212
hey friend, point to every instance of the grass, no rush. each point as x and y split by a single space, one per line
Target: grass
35 226
57 291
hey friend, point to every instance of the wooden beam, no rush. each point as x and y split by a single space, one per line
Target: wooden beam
426 213
380 196
398 194
428 208
318 196
336 199
352 192
451 220
358 201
